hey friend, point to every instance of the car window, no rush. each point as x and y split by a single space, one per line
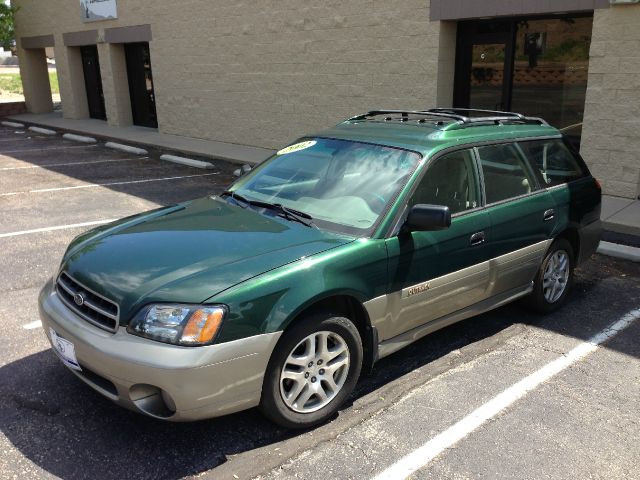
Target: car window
505 172
553 160
449 181
345 186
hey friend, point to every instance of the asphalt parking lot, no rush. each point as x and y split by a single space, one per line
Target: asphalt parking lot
581 422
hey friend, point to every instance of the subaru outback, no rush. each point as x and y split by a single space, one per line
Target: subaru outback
339 250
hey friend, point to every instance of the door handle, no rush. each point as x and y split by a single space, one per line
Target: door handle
477 239
549 214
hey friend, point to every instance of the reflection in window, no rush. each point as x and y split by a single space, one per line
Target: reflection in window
553 160
505 173
550 71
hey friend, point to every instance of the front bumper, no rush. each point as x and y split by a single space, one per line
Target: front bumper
160 380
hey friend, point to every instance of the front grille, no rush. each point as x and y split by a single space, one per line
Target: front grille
92 307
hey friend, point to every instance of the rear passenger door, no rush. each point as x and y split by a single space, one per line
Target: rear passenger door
521 213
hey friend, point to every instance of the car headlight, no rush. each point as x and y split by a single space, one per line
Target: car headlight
187 325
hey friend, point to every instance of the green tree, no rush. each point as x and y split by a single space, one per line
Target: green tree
7 32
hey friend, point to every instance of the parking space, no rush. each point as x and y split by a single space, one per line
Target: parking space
581 422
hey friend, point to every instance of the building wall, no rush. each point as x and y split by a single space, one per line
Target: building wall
264 72
611 131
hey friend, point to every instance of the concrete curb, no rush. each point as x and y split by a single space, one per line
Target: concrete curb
619 251
186 161
13 124
44 131
79 138
126 148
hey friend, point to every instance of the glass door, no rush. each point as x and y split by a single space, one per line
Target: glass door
93 82
536 66
484 66
143 99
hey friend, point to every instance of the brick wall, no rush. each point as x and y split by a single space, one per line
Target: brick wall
12 108
264 72
611 131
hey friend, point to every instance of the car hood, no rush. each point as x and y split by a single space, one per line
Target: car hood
188 253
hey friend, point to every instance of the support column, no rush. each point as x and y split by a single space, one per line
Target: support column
115 84
446 63
73 91
35 80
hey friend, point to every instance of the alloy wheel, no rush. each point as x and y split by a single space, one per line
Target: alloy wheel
314 372
556 276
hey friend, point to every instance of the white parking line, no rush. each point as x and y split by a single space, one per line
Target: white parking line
47 149
33 325
94 185
430 450
74 163
59 227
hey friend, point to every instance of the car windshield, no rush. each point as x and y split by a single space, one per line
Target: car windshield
344 186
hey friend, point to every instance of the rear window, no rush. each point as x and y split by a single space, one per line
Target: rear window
553 161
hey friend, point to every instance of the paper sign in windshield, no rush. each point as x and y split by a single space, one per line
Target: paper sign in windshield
297 147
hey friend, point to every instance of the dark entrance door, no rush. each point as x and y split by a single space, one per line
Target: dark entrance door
143 100
484 66
93 81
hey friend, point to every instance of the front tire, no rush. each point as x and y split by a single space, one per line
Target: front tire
313 370
554 278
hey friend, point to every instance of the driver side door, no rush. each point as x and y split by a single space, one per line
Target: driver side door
433 274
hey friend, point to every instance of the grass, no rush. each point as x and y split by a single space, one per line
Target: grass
11 83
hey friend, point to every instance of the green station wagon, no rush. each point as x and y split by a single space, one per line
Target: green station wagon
337 251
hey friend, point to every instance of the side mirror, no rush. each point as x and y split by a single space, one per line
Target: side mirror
426 218
242 170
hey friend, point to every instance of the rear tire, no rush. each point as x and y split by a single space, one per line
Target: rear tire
313 370
554 278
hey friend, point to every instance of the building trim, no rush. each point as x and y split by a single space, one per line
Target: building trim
79 39
40 41
137 33
467 9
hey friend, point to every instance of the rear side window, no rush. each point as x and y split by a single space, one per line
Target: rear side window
553 160
506 174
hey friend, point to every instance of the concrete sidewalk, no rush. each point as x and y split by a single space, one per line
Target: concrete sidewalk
149 137
621 215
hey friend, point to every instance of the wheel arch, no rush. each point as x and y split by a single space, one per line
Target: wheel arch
349 306
572 235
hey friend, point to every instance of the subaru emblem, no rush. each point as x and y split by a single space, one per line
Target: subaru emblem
78 298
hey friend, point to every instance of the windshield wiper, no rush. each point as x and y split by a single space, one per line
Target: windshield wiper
237 197
286 212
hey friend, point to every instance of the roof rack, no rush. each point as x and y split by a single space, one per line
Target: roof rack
460 116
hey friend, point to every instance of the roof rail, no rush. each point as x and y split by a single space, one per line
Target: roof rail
457 115
466 111
406 113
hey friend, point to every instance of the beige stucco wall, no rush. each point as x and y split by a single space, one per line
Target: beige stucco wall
264 72
611 131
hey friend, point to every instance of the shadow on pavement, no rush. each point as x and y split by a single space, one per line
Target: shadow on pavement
67 158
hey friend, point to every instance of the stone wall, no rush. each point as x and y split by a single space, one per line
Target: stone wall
611 131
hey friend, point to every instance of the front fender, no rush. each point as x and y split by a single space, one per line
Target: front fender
269 303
